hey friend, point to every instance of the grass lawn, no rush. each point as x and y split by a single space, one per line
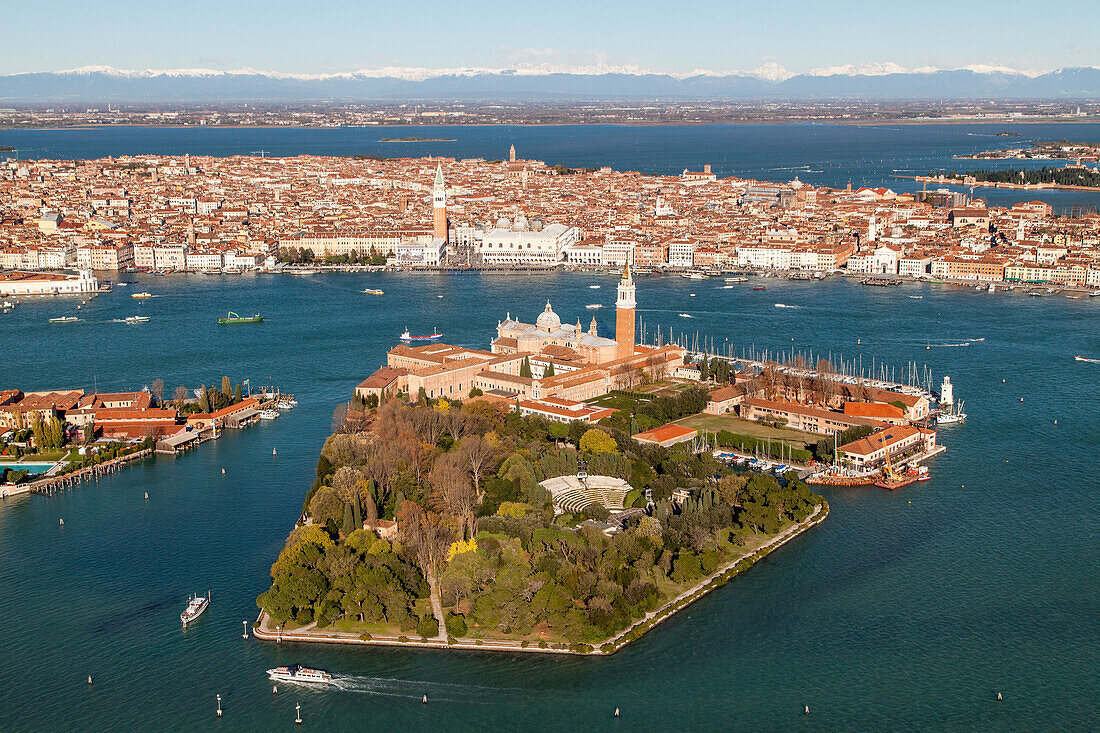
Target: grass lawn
714 423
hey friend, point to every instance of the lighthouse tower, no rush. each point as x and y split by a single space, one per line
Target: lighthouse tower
624 315
439 204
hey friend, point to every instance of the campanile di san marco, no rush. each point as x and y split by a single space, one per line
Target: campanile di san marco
624 314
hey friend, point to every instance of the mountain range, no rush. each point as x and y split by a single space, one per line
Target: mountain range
878 83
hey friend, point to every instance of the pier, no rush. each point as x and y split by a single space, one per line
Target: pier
53 484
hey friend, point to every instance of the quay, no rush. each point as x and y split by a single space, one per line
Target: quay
53 484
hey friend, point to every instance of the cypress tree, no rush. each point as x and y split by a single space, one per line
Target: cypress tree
356 512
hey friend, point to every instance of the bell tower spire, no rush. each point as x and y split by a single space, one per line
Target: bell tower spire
624 314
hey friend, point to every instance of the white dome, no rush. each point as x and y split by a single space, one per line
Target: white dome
548 319
504 223
520 224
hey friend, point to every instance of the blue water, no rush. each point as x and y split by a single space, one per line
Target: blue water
905 610
822 154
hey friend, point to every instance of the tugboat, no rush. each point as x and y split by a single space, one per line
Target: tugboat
195 607
295 673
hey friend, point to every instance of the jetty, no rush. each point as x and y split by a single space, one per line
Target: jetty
53 484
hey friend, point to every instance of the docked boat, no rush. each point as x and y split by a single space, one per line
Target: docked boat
267 414
896 481
593 287
232 317
136 319
305 675
952 416
141 295
8 304
594 306
737 279
920 473
374 291
694 276
196 605
406 336
64 319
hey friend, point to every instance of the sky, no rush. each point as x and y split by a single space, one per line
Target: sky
673 36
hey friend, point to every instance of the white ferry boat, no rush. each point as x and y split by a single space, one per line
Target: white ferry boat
64 319
737 279
594 306
376 291
294 673
268 414
195 607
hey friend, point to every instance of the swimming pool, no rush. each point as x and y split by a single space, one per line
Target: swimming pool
31 468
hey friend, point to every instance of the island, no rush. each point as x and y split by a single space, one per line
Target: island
468 499
418 140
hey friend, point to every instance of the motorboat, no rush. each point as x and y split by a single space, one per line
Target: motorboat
268 414
136 319
594 306
64 319
141 295
196 605
296 673
376 291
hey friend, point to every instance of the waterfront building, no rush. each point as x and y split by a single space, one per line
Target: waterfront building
515 244
556 409
802 417
20 282
870 452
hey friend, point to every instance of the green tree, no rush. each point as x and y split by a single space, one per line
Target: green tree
237 394
204 398
525 368
549 371
596 441
227 388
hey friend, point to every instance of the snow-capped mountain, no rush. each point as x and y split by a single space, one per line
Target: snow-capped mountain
551 83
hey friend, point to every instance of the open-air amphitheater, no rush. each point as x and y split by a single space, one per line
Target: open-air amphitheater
573 494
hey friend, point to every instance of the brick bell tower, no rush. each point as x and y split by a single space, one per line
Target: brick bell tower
439 204
624 315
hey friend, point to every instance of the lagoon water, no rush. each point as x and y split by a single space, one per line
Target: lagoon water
905 610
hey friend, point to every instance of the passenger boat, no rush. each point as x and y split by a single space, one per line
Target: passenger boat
694 276
267 414
737 279
136 319
295 673
430 337
64 319
195 607
373 291
141 295
232 317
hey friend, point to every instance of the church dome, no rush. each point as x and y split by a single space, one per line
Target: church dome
548 319
520 224
504 223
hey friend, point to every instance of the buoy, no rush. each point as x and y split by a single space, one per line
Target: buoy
219 706
999 698
298 713
89 679
223 472
616 712
1002 381
274 690
425 700
859 341
1021 399
805 709
1056 422
274 452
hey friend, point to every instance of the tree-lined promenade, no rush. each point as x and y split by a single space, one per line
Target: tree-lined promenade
477 557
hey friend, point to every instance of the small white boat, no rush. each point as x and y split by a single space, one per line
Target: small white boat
916 297
373 291
295 673
593 287
195 607
686 315
694 276
8 304
1085 358
136 319
268 414
594 306
64 319
737 279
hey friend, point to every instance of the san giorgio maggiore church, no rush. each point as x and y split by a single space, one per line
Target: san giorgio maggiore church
568 364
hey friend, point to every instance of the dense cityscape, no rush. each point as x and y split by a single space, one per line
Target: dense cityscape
204 214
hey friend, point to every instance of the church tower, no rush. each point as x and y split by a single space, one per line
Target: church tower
439 204
512 154
624 315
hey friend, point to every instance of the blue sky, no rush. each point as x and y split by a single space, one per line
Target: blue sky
670 36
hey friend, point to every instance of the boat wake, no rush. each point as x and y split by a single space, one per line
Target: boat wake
1085 358
416 689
